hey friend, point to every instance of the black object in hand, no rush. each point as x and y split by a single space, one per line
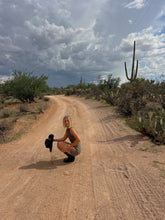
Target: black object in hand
49 142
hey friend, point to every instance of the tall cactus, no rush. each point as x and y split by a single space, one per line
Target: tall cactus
134 72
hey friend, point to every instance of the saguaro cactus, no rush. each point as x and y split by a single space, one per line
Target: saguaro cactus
134 72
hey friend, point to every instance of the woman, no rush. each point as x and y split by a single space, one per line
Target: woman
70 149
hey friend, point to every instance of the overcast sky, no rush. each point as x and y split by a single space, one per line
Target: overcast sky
70 39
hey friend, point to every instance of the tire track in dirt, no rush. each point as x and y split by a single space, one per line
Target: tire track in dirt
142 188
81 189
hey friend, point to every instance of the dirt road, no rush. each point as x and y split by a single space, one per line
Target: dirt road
111 179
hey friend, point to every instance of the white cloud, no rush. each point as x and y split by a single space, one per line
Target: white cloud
136 4
150 50
4 78
130 21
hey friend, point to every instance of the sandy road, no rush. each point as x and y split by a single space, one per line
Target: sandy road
110 179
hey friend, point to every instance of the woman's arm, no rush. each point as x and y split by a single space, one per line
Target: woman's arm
61 139
76 136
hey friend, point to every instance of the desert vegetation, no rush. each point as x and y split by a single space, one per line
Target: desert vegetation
24 86
21 101
141 101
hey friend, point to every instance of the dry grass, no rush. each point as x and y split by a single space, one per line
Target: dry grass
17 118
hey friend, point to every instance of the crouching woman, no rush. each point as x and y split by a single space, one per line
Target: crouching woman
73 148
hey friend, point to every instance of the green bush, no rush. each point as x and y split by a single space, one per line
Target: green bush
150 123
111 96
25 86
135 95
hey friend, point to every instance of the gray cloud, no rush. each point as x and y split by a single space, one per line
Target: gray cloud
68 39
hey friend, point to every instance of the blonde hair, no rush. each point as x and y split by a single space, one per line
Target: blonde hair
69 118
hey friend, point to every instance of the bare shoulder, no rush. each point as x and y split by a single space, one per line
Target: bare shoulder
73 131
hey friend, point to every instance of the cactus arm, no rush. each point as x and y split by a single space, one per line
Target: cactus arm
126 71
136 69
133 61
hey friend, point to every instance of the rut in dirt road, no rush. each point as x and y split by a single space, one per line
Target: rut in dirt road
110 179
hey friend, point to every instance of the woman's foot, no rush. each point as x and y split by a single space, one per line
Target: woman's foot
69 159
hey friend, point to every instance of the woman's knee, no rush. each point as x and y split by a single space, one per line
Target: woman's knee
60 146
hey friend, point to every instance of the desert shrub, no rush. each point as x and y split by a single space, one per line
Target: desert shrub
160 91
5 126
25 86
153 125
91 90
109 84
2 99
70 90
163 101
46 99
23 108
111 96
150 123
5 113
153 107
135 95
41 108
97 94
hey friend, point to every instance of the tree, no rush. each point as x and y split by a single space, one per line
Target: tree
25 86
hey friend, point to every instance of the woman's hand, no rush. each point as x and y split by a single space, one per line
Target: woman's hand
61 139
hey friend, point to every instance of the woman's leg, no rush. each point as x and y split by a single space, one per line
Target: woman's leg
63 147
